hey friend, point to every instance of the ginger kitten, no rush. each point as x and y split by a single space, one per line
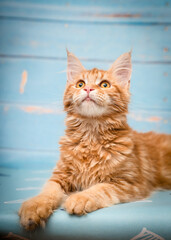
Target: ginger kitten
102 160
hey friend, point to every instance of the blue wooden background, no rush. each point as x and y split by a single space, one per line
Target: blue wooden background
33 37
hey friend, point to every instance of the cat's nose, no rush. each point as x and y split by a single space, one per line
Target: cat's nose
87 89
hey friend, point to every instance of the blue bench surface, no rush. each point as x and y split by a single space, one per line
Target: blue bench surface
122 221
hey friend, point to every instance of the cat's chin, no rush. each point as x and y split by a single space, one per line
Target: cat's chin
90 108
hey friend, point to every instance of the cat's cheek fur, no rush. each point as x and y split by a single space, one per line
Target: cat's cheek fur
78 96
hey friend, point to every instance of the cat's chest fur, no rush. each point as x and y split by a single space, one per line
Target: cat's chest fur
88 164
91 160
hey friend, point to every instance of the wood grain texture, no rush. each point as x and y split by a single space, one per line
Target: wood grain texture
50 39
34 35
132 11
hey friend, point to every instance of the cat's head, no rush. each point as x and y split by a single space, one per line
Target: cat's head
96 93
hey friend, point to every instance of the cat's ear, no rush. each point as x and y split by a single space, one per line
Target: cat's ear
121 70
74 66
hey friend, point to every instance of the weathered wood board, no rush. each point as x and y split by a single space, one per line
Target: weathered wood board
34 35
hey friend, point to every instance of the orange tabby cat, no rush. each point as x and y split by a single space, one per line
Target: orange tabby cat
102 160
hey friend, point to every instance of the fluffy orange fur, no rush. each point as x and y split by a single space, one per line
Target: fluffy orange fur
102 160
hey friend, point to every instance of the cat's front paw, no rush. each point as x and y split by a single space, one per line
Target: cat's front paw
80 204
34 212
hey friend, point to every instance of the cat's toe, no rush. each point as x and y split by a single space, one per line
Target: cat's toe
79 204
29 220
90 206
30 225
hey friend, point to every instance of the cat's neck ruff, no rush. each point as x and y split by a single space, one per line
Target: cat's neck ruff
95 127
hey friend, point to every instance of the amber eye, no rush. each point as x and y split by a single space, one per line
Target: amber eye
80 84
104 84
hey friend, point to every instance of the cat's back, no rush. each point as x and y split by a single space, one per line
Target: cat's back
159 141
157 148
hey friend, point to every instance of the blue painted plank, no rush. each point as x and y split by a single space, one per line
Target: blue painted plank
40 127
92 41
46 82
41 162
90 11
91 3
152 120
30 127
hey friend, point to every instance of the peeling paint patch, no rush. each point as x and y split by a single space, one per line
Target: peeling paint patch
136 117
23 81
37 109
119 15
6 108
165 74
139 118
165 49
154 119
34 43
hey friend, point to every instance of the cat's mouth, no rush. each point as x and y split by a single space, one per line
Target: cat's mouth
88 99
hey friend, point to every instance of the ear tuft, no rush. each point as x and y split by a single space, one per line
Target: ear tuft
121 69
74 66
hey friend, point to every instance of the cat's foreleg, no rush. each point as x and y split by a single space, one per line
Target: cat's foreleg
35 211
100 196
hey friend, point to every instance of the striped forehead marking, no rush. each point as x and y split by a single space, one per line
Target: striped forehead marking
93 76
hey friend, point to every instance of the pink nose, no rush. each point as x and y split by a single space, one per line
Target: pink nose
88 89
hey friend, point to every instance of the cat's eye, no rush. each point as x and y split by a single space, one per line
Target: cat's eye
80 84
104 84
